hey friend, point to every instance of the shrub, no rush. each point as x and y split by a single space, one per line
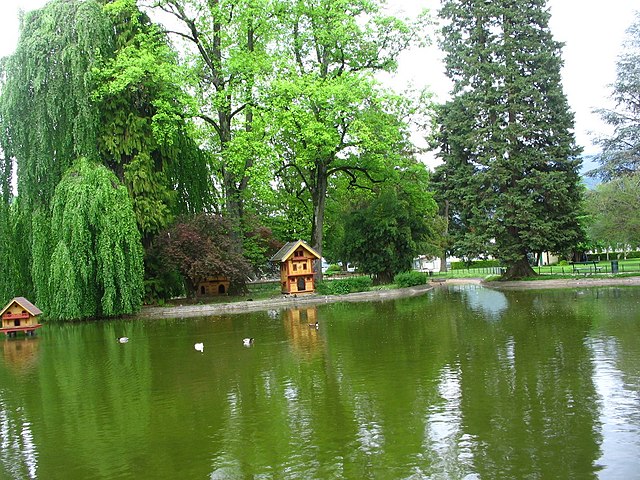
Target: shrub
343 286
410 279
333 268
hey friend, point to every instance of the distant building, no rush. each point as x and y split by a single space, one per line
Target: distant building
20 315
296 267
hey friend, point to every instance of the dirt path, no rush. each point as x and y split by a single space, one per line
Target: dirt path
184 311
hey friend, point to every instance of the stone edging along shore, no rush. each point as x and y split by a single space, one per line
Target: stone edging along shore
289 301
184 311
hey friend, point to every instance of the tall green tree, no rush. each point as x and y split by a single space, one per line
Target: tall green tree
332 117
6 240
47 116
142 134
228 58
621 151
385 232
95 79
456 183
614 212
509 130
46 96
92 255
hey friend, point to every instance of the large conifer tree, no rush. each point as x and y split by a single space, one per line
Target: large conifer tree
508 132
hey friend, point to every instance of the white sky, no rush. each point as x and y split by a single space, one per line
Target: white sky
592 30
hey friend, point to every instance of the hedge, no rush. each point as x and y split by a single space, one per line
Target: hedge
410 279
343 286
475 264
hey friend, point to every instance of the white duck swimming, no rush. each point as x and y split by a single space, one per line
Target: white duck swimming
247 342
123 339
199 346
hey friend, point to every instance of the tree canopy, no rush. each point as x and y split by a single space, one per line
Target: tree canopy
331 116
614 212
238 125
203 246
621 151
386 231
46 97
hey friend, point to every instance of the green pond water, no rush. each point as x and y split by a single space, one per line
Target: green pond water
460 383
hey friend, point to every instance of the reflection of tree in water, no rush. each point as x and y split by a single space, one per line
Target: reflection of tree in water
615 344
529 400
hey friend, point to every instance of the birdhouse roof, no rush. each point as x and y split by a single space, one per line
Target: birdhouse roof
24 303
287 250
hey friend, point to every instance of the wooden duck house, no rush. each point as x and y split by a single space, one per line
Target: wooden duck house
20 315
212 286
296 267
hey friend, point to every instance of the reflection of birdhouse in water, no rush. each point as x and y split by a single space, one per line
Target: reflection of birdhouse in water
21 353
19 316
303 315
296 322
296 267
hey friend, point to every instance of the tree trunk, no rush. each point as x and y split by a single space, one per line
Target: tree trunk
445 234
519 269
318 198
383 278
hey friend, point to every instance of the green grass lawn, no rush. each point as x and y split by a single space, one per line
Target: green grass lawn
625 268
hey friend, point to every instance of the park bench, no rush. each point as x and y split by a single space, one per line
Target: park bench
586 268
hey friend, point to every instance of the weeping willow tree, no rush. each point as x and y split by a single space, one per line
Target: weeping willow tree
47 117
5 227
93 79
46 96
94 260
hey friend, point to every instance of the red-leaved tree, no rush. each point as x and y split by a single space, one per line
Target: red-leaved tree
203 246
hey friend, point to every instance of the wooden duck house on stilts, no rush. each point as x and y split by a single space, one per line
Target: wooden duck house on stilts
19 316
296 267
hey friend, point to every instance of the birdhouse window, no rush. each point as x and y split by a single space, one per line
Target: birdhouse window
295 267
299 253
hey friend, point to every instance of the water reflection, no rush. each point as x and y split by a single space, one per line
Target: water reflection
300 327
446 443
485 301
424 387
21 354
619 401
18 454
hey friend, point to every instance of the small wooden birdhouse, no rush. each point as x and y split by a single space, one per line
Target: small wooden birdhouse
296 267
213 286
19 316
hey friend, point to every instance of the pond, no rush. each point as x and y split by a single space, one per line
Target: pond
460 383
